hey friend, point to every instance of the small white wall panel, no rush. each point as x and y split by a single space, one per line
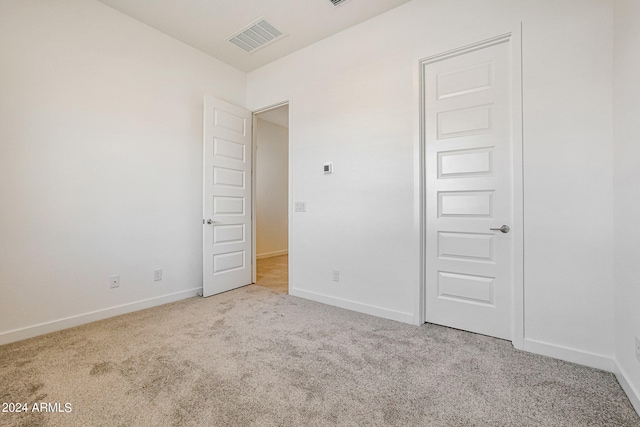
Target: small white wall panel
464 81
464 122
465 287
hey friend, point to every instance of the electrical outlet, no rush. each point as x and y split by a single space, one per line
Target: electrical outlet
336 276
157 275
300 207
638 349
114 281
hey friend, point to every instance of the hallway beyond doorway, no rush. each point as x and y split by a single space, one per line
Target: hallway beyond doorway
273 273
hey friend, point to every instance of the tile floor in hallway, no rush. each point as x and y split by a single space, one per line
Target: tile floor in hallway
273 273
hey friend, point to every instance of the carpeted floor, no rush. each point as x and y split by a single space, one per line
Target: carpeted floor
253 357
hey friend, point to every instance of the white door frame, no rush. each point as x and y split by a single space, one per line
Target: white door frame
515 36
253 189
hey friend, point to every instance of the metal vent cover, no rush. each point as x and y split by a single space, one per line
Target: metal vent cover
256 35
337 2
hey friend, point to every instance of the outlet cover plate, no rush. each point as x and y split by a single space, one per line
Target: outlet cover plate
114 281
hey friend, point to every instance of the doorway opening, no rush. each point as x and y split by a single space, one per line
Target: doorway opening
271 198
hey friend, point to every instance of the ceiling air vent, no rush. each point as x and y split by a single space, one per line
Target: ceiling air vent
256 35
337 2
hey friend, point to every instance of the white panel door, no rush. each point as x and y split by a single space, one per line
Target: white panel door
469 189
227 197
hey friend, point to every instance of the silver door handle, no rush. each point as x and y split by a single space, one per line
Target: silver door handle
210 221
504 229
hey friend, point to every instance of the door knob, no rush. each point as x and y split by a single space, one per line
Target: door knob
504 229
210 221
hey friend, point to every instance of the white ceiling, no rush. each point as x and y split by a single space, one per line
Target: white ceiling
278 116
207 24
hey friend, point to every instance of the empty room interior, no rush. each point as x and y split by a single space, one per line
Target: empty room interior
320 212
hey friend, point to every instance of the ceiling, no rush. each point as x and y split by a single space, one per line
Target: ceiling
207 24
278 116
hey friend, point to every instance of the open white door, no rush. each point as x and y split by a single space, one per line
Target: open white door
470 189
227 197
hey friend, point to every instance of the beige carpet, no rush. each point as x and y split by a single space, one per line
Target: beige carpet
252 357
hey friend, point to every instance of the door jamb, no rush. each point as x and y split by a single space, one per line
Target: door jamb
515 38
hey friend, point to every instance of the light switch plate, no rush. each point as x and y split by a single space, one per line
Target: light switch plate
300 206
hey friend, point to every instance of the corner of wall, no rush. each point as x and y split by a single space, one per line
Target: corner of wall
631 391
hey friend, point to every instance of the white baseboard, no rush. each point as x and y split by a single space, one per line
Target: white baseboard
81 319
272 254
354 306
568 354
632 393
593 360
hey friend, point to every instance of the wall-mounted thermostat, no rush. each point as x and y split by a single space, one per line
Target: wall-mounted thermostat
328 168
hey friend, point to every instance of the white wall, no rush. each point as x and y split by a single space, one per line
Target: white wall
272 189
627 189
100 163
354 101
